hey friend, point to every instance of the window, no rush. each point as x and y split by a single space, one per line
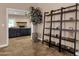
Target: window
11 23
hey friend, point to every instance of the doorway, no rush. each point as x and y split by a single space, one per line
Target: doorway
18 23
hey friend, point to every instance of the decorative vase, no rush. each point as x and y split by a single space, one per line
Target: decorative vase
34 32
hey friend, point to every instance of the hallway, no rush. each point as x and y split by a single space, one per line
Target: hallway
23 46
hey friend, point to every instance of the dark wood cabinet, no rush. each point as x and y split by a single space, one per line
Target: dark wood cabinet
16 32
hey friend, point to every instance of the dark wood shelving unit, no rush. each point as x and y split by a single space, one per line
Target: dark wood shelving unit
59 36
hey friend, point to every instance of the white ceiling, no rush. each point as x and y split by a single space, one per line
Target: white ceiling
17 11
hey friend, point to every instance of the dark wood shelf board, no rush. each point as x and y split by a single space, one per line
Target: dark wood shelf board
70 20
63 29
66 30
67 48
64 47
62 21
69 30
63 38
48 15
58 13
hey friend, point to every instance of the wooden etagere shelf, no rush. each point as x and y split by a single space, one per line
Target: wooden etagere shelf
64 29
59 36
62 21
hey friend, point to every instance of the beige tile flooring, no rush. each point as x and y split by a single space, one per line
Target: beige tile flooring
24 46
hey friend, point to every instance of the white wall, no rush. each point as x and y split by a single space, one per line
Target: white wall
21 18
3 27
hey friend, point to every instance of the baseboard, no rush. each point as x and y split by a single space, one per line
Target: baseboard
2 46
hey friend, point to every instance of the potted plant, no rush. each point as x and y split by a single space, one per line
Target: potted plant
36 18
36 15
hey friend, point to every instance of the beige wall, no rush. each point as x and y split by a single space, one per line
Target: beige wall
53 6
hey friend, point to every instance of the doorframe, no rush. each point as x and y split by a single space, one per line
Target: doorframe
7 31
7 39
7 26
